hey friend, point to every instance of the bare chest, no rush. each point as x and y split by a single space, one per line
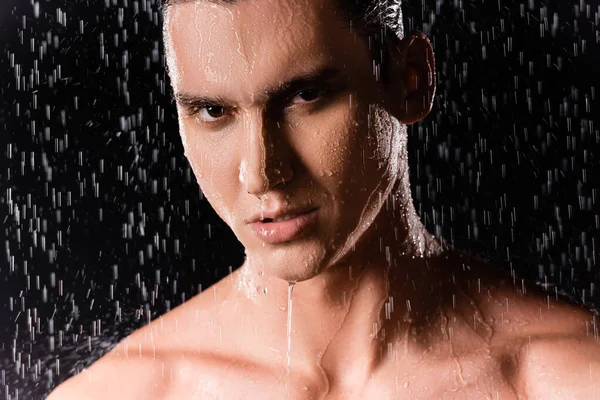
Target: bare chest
483 377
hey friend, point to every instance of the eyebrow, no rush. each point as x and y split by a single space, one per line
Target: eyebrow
271 94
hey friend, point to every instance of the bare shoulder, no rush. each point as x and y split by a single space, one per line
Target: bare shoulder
559 346
520 308
112 378
555 341
564 365
560 355
144 364
166 376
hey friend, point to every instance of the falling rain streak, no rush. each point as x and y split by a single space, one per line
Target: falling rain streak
106 229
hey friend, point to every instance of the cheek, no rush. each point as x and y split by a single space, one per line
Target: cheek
206 155
213 168
330 145
191 148
350 149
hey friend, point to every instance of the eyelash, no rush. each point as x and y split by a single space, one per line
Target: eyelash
320 93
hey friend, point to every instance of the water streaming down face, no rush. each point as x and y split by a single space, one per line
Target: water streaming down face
94 176
342 154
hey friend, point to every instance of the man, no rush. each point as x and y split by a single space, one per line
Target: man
293 116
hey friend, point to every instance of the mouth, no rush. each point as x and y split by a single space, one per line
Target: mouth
286 228
285 218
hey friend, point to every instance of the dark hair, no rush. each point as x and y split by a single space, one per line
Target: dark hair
367 16
374 20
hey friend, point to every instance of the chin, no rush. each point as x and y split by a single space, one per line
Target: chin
292 276
291 264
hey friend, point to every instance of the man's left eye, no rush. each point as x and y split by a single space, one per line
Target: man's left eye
309 95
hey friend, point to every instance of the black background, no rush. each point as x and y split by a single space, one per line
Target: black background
104 226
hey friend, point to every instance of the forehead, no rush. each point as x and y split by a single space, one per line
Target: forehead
252 44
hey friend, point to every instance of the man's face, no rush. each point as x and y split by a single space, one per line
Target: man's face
327 143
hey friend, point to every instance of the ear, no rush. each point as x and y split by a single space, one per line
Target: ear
412 77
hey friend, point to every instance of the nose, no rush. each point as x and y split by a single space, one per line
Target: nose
266 160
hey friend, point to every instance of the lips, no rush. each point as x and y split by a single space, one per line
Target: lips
279 213
285 218
285 230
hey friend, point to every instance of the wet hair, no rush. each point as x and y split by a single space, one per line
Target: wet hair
374 20
367 16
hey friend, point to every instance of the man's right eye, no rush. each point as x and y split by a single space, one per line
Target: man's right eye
210 113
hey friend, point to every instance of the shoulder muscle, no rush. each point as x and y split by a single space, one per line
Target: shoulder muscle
113 379
562 368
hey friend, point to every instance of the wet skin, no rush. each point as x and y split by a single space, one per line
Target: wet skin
482 337
380 308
